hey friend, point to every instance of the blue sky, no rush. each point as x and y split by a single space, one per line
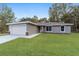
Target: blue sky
30 9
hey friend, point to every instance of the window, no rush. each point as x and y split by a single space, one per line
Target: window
62 28
48 28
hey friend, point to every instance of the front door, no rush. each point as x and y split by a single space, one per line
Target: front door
39 29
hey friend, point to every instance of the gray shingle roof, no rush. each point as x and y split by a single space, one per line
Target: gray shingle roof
43 23
53 24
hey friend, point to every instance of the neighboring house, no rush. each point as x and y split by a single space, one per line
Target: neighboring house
29 28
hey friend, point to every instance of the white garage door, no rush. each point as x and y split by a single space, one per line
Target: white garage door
18 29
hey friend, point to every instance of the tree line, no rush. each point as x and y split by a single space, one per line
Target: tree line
58 12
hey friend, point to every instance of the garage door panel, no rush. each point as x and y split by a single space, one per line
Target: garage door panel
19 29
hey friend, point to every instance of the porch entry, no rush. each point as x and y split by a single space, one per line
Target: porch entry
45 28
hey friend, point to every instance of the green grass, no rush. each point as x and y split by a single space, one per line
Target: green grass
44 45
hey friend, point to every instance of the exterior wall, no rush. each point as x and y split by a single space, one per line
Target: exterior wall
68 29
22 29
57 29
18 29
32 29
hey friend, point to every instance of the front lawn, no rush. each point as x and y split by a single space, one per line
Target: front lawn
44 45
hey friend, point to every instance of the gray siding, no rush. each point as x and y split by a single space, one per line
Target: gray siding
57 29
31 29
68 29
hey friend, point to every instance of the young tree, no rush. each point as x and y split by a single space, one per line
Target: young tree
6 15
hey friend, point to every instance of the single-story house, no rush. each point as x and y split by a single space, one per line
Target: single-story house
29 28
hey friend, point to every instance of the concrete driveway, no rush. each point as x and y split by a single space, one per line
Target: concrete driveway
7 38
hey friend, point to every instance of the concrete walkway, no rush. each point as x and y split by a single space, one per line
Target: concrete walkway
7 38
31 36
